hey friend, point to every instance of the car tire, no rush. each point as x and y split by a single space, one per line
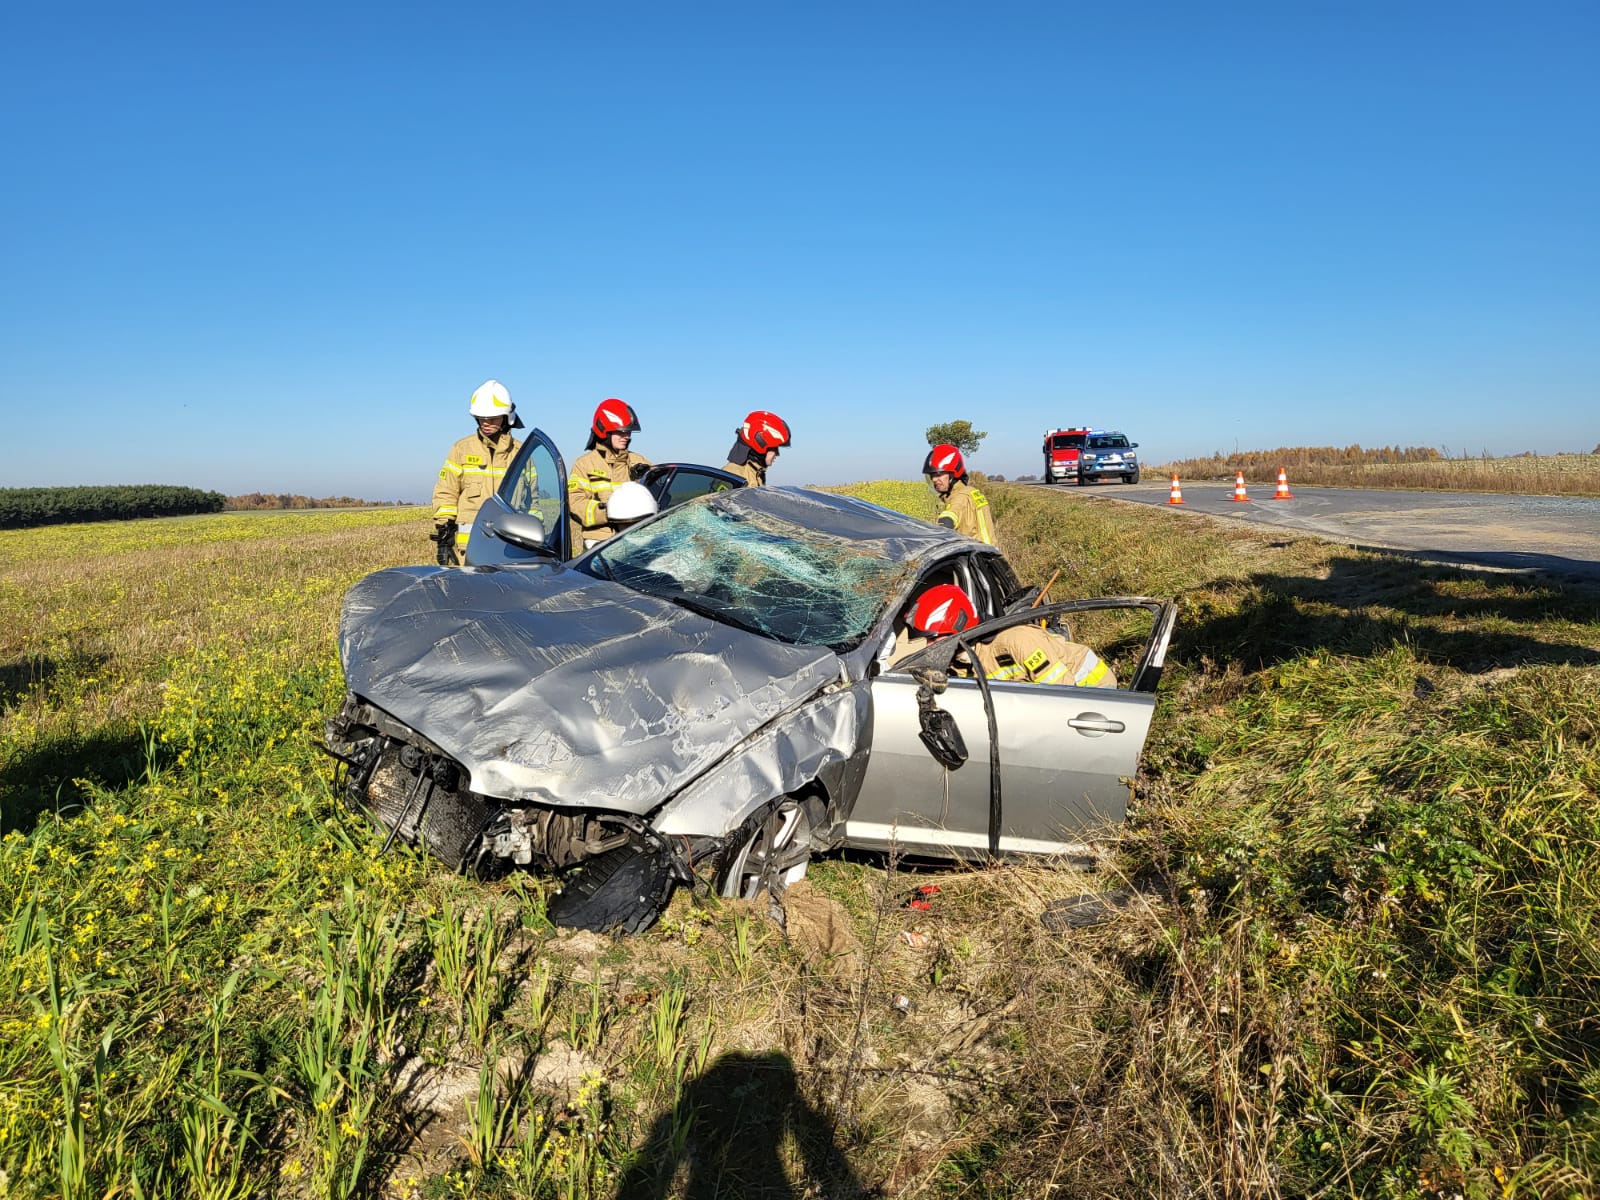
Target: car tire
1134 478
1082 481
772 851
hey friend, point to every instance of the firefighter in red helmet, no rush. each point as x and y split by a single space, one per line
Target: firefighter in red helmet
965 509
605 466
755 446
1020 654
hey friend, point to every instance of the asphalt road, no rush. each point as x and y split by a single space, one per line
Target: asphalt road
1560 534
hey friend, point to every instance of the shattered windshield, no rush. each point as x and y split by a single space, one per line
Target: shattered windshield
758 572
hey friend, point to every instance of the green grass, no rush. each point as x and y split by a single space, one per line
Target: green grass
1366 963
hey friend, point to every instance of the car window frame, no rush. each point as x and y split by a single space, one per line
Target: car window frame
1146 676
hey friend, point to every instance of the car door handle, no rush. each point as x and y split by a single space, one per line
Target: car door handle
1092 724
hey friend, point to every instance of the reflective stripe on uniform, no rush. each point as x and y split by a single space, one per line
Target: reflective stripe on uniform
450 466
980 507
1092 671
1008 671
463 532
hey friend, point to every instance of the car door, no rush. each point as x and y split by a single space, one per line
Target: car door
526 519
673 483
1060 760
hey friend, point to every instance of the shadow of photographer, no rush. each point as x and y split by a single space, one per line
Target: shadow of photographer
733 1133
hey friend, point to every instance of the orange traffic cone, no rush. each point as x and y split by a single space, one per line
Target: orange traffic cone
1177 492
1238 487
1283 492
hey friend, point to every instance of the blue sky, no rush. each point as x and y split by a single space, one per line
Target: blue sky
277 248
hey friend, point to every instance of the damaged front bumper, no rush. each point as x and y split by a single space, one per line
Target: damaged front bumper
617 871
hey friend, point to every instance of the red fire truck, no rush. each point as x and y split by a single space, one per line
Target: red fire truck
1062 450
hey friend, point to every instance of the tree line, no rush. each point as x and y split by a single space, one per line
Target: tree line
23 508
252 501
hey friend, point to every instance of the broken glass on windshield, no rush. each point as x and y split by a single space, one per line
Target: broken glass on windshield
757 571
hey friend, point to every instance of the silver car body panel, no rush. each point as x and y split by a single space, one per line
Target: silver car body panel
797 749
1060 785
550 686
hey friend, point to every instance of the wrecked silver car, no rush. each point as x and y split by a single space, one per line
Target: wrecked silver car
711 693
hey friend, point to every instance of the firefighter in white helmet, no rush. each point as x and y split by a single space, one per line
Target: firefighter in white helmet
473 470
606 465
630 503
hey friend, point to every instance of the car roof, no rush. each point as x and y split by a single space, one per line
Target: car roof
896 535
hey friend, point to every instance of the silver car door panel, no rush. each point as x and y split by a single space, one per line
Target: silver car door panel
1058 785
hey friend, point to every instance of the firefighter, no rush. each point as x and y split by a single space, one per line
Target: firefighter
965 508
755 446
630 503
473 470
1020 654
607 464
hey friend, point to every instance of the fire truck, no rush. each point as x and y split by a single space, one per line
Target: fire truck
1085 455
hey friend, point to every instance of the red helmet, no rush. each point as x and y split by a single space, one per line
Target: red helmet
763 431
943 608
613 416
944 457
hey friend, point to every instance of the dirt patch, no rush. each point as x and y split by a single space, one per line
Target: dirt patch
819 927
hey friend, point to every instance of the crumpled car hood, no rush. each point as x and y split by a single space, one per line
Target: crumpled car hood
551 686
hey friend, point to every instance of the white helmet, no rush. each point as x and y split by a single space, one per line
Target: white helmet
631 502
492 399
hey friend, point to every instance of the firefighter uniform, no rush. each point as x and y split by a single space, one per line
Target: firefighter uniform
1021 654
1028 654
596 473
471 473
967 511
753 471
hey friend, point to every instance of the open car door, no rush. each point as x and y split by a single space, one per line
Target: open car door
526 519
1049 778
673 483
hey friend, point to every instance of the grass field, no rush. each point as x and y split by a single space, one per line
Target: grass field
1531 475
1363 960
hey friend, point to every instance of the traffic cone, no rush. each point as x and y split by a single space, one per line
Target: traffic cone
1238 487
1177 492
1283 492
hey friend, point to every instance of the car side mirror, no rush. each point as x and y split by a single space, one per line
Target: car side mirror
520 529
940 733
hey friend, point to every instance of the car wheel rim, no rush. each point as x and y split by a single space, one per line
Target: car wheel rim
774 856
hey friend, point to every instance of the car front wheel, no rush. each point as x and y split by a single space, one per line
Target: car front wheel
1134 478
771 854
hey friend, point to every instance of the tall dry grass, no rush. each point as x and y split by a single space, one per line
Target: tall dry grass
1533 475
